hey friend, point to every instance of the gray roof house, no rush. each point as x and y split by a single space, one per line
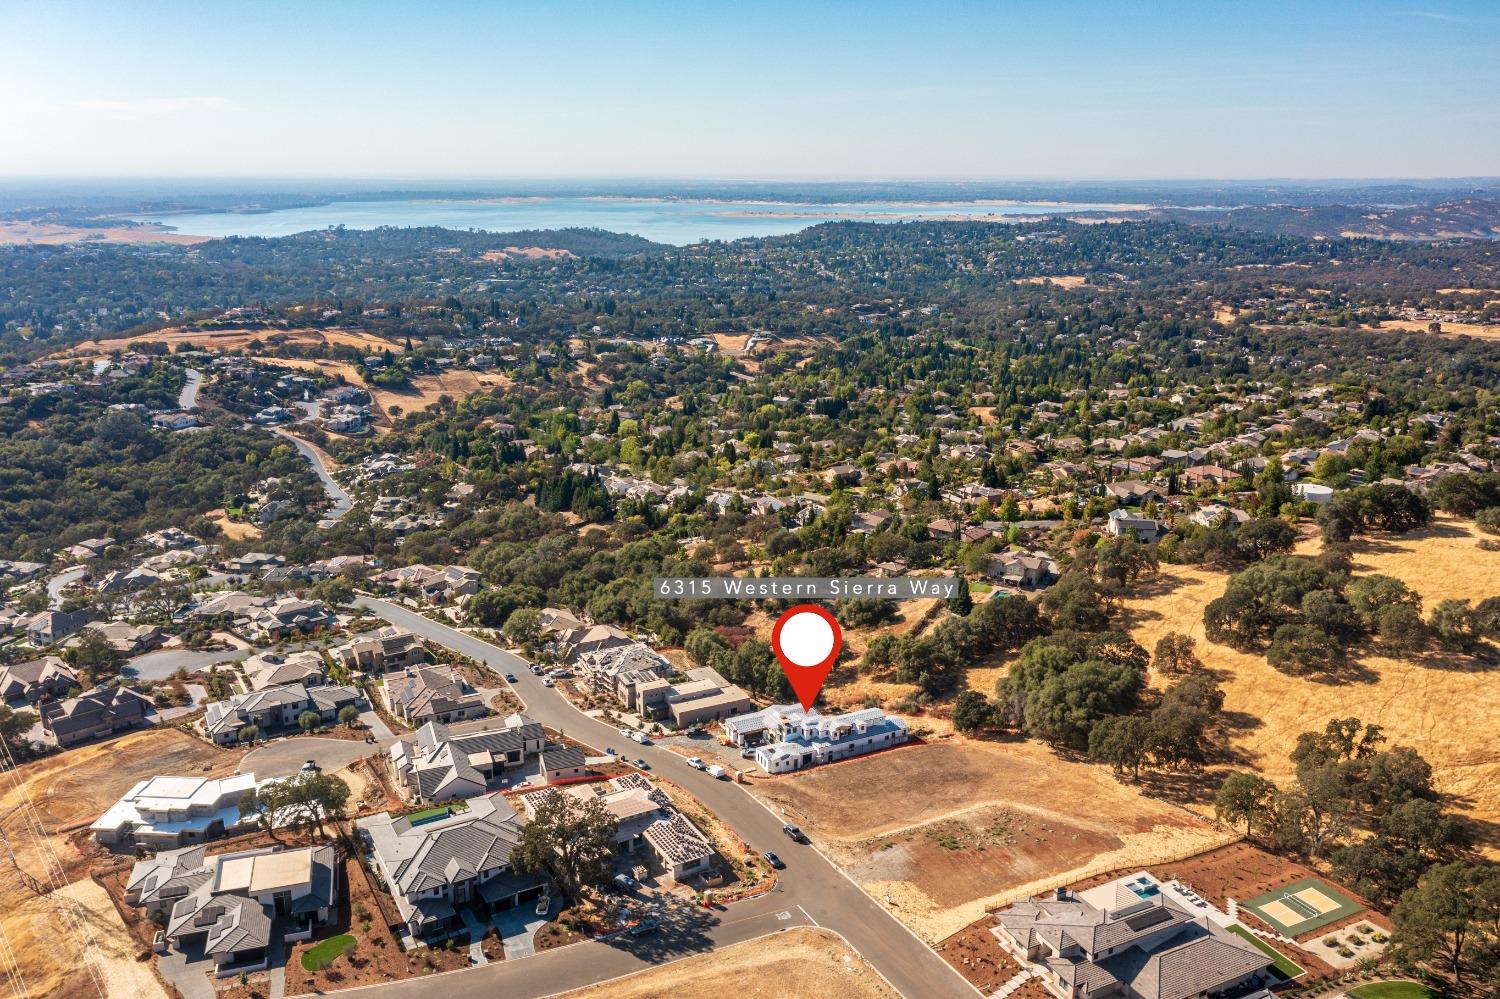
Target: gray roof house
1150 948
97 713
438 766
235 904
275 708
52 626
432 865
48 676
432 693
789 738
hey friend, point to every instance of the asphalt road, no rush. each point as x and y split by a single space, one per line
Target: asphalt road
811 883
192 378
342 504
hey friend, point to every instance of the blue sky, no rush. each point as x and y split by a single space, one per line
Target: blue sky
708 89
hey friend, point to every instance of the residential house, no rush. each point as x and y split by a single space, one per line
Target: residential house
289 617
52 626
168 812
1145 948
436 765
437 693
272 669
789 738
47 678
1028 570
94 714
705 696
380 651
432 865
122 636
241 902
434 585
1212 514
1120 524
276 709
1133 492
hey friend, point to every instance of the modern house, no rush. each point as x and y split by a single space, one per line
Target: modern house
1146 948
434 864
438 766
171 812
789 738
432 693
239 903
275 709
705 696
32 681
95 714
619 670
380 651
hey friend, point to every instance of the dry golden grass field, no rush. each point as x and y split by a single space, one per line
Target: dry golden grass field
979 823
1062 281
54 234
805 962
228 340
425 390
1440 704
1480 331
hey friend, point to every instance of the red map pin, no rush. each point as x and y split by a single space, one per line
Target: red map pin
807 641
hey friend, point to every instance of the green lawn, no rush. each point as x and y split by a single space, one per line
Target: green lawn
1284 965
1392 990
322 954
436 810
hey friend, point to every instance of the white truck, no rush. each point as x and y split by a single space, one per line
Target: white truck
717 772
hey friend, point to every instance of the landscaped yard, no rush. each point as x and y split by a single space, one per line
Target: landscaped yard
1392 990
1284 965
321 955
437 811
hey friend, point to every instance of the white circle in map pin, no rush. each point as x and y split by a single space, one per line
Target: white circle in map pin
807 639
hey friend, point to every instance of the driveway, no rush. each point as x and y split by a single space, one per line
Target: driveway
286 756
811 884
161 664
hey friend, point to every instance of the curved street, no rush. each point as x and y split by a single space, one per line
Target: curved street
342 504
811 884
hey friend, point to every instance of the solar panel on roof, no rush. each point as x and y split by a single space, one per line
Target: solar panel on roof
1146 920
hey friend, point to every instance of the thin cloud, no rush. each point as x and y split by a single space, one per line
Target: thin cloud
153 106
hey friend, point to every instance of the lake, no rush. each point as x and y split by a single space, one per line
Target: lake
665 220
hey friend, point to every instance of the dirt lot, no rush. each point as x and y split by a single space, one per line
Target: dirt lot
425 390
533 252
810 963
72 942
1414 700
234 530
1062 281
980 823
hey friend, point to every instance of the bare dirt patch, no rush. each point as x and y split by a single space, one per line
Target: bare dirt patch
234 530
1062 281
529 252
1421 702
978 823
811 963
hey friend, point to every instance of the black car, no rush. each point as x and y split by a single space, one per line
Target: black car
793 833
774 860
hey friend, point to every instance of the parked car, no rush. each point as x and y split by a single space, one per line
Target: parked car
310 767
625 732
794 833
696 763
537 670
641 737
640 764
644 927
774 860
717 772
547 681
746 753
625 882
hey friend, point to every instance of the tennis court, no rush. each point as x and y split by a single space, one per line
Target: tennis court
1303 906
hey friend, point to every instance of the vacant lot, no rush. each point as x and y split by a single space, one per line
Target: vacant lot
814 964
424 391
54 234
971 824
1427 702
